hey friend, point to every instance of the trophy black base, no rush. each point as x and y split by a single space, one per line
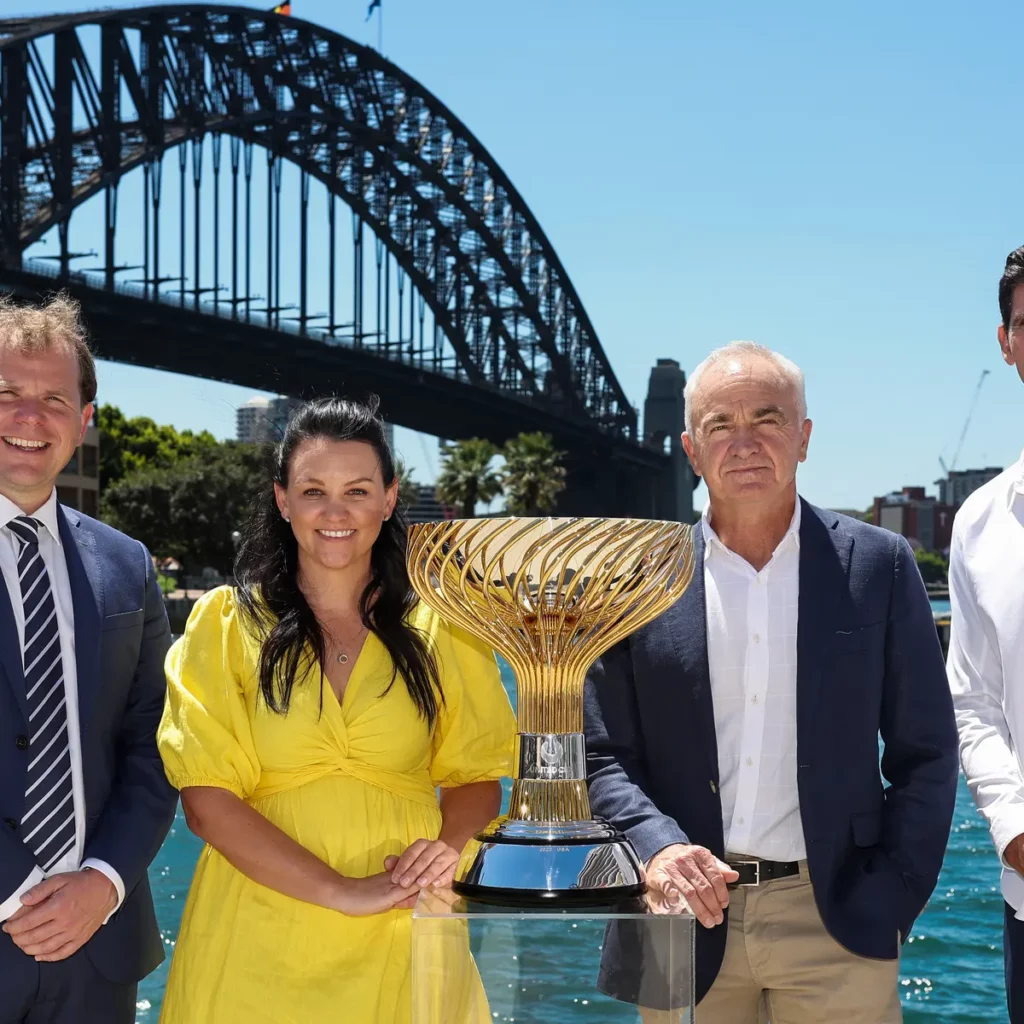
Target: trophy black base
605 901
550 864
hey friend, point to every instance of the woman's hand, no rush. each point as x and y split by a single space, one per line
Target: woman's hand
360 897
425 864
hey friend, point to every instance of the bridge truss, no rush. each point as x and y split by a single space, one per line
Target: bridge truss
86 99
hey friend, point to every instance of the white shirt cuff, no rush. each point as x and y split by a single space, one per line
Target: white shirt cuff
13 904
1005 826
103 867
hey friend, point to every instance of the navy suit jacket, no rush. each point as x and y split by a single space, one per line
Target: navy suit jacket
121 637
868 664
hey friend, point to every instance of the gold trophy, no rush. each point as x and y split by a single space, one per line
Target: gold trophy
550 596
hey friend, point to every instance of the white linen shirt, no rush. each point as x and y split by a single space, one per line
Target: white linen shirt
51 550
752 629
985 664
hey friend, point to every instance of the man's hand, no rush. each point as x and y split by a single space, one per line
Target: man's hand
1014 854
694 875
61 914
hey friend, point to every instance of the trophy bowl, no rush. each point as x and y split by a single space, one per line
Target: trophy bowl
550 595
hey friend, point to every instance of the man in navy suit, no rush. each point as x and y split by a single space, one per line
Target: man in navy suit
736 739
84 803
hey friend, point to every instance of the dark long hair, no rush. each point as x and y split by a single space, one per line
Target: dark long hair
266 572
1013 276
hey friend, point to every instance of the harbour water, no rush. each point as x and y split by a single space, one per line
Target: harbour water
951 968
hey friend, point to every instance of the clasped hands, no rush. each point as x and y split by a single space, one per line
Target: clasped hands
60 914
692 876
426 864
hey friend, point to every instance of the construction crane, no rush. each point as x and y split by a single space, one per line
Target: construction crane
967 423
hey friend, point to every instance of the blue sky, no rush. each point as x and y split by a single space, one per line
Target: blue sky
840 182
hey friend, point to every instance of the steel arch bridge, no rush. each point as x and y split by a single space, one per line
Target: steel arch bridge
477 327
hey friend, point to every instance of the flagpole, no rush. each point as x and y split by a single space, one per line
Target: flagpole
378 6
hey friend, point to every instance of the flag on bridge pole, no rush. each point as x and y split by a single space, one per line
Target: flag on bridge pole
285 9
379 7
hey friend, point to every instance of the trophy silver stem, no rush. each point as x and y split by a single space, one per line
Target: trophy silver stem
551 756
549 847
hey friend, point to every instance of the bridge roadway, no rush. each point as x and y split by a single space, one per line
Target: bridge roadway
606 475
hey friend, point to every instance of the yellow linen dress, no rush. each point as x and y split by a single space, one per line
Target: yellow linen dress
353 784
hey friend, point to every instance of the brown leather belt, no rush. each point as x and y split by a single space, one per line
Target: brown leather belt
754 872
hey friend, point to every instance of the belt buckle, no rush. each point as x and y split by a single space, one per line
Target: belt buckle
757 872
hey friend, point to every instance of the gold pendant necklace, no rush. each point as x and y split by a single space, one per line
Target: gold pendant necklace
341 656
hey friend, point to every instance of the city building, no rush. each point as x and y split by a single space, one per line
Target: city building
955 488
251 420
78 485
262 419
279 413
427 509
925 521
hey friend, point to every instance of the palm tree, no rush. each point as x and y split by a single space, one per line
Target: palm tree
533 476
466 475
408 489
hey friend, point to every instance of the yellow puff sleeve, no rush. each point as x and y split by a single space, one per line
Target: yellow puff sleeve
475 731
205 737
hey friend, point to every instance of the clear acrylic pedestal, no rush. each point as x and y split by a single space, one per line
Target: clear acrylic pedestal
474 963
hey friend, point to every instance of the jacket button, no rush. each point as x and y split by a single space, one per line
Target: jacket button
10 823
21 743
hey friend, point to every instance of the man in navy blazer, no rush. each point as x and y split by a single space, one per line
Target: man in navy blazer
84 803
735 739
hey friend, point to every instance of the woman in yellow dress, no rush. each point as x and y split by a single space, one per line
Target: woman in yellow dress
313 708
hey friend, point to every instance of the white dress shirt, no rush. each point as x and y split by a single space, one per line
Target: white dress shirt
51 550
986 657
752 624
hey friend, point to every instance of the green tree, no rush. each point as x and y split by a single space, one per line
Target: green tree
934 568
130 445
408 489
533 476
190 510
467 475
165 583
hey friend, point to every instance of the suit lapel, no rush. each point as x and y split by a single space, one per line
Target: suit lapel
688 627
824 569
10 651
87 599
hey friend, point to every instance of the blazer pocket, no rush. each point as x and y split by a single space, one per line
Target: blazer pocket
867 828
124 620
856 638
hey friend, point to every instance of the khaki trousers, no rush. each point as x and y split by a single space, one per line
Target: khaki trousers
782 966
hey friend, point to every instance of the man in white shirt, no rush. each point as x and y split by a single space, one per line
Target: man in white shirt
84 803
986 651
735 738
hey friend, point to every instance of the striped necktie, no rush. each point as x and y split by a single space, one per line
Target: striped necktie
48 827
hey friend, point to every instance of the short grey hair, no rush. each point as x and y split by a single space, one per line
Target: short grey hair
738 349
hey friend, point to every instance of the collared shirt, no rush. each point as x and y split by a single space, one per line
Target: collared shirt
986 657
752 624
51 550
